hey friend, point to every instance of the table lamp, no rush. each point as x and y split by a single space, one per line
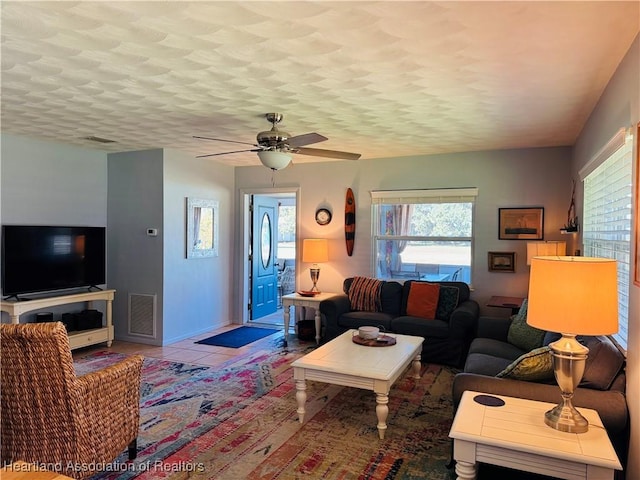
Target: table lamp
545 249
572 296
315 250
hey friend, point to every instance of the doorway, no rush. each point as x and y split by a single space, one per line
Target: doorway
269 243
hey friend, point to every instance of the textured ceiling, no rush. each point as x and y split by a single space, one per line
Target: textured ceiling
383 79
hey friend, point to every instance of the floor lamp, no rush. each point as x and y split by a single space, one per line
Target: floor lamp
315 250
572 296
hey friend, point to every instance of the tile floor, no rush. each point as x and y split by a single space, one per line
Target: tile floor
187 350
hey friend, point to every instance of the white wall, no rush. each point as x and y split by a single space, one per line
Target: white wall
619 107
198 291
509 178
52 184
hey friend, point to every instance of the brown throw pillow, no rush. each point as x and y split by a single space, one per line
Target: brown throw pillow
364 294
423 300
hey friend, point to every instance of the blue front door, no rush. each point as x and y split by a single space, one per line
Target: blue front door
264 274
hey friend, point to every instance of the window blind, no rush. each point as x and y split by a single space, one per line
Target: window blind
440 195
608 197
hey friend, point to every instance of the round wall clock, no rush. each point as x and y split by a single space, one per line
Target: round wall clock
323 216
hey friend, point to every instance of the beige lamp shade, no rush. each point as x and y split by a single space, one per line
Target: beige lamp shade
573 295
315 250
545 249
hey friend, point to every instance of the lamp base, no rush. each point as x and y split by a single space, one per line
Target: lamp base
315 275
569 358
566 418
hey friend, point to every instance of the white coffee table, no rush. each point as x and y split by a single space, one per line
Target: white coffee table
515 436
343 362
302 301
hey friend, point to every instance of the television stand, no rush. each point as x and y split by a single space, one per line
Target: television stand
79 339
18 299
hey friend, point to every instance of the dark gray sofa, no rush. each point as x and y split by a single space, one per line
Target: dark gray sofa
602 387
446 340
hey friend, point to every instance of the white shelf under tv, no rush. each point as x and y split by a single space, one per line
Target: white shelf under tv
77 339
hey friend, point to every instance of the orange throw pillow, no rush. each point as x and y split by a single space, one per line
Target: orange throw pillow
423 300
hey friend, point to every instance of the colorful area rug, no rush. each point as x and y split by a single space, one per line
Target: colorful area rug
239 421
238 337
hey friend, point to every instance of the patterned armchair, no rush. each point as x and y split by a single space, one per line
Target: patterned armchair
51 416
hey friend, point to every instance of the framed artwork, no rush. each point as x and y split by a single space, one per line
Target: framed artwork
636 278
202 228
521 223
502 262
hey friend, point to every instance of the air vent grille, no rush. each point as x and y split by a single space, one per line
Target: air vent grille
142 314
98 139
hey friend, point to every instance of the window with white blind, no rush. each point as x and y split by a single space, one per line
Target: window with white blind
607 215
423 234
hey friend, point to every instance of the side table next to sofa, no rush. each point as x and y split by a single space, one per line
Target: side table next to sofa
298 300
514 435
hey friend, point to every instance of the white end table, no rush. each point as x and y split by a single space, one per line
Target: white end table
302 301
515 436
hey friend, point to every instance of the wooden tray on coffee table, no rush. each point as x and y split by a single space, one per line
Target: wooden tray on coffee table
381 341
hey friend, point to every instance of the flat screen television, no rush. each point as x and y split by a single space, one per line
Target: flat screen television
48 258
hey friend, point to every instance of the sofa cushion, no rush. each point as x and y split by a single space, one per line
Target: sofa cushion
423 300
364 294
447 302
604 361
485 364
533 366
361 319
523 335
391 297
419 327
495 348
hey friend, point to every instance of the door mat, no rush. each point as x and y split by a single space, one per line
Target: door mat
239 337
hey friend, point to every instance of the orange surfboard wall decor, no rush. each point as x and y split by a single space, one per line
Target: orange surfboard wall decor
350 221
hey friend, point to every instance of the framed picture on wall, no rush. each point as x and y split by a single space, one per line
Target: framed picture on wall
502 262
521 223
636 278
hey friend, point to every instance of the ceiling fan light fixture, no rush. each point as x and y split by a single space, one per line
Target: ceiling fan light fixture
273 159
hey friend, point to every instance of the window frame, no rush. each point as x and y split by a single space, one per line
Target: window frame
422 196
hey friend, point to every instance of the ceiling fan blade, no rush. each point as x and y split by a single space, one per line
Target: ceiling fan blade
306 139
318 152
223 140
228 153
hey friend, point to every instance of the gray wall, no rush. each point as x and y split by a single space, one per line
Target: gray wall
619 107
510 178
135 259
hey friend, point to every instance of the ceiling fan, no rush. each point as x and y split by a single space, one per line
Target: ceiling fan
275 146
